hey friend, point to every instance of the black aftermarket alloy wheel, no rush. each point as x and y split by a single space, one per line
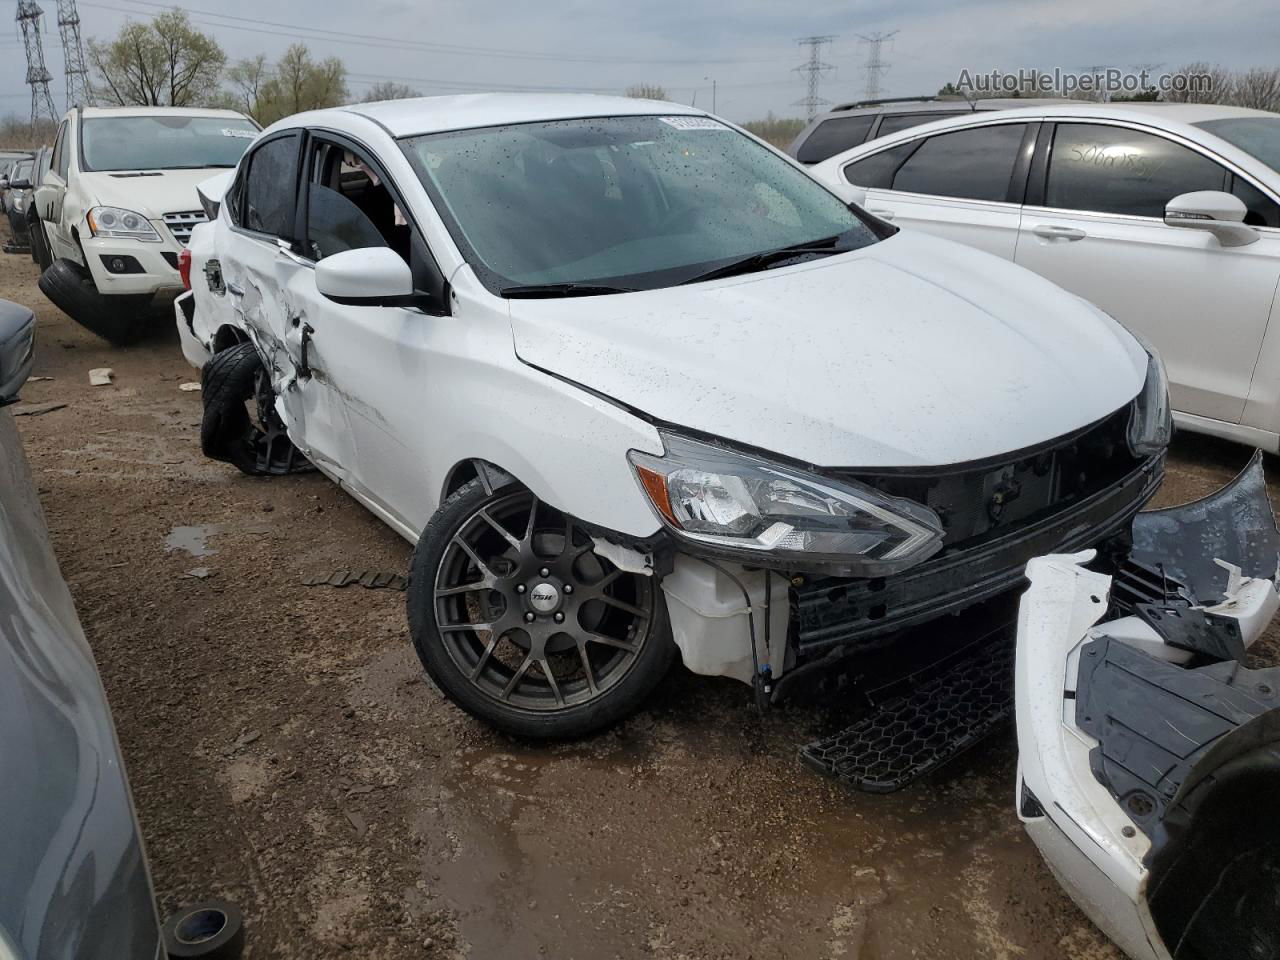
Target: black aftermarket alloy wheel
522 624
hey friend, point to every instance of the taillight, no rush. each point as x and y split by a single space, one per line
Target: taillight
184 266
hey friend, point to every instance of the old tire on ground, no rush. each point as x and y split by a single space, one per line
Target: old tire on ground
213 930
522 625
231 384
119 319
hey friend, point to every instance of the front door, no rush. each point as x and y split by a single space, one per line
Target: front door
263 273
1099 232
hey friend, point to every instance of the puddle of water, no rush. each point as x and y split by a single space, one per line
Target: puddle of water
194 541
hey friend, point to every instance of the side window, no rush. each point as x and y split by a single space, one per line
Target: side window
878 169
904 121
271 187
974 164
834 136
1118 170
1263 211
60 155
349 207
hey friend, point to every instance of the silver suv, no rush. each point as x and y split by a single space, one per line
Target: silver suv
850 124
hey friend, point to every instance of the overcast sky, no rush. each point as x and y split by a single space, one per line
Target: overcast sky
748 46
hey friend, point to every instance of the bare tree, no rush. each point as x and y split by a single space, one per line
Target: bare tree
1203 83
1258 88
647 91
166 62
387 90
248 78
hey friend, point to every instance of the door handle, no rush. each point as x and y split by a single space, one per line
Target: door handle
304 366
882 214
233 289
1051 231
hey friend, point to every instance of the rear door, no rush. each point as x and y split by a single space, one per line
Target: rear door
51 194
261 264
964 185
1094 224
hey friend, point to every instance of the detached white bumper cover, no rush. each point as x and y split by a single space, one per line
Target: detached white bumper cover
1149 757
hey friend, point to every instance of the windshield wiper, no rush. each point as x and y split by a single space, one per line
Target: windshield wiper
534 290
760 261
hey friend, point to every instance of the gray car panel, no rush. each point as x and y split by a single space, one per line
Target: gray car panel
73 877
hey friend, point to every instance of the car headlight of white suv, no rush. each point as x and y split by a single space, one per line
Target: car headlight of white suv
749 505
121 224
1151 425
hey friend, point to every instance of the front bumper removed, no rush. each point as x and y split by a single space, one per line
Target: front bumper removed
1149 756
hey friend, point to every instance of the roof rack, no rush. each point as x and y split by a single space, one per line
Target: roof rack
856 104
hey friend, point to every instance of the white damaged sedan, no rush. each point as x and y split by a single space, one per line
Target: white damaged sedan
625 375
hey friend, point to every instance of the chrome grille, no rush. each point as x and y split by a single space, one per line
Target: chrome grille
180 223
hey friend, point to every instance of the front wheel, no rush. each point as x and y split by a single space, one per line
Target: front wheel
522 625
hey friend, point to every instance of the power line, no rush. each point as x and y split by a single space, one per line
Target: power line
876 67
38 76
387 42
815 69
78 93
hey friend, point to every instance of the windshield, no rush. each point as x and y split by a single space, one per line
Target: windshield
634 202
21 171
163 143
1257 136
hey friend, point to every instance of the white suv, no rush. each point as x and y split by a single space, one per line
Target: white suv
119 202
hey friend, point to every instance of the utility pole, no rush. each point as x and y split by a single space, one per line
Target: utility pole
78 92
876 67
815 69
38 76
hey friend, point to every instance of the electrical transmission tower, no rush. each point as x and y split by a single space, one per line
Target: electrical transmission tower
38 77
876 67
78 93
815 69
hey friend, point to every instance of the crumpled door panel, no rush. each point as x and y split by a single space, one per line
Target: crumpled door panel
1149 755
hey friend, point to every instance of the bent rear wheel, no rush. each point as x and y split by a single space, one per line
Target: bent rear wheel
523 625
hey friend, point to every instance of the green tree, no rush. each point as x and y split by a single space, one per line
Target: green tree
387 90
300 83
779 131
248 78
164 63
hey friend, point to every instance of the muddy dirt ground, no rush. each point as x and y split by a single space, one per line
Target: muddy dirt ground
286 752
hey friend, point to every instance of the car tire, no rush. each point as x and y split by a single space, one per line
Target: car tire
120 320
558 672
39 244
230 383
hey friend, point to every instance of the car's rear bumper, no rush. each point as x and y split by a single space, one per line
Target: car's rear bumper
184 311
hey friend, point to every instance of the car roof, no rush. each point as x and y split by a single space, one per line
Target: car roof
92 112
420 115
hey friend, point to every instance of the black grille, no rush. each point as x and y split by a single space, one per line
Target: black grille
981 501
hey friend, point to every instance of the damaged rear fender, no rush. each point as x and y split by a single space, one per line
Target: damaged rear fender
1149 762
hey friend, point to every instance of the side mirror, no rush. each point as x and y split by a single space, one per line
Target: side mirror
1216 211
367 277
17 349
850 194
19 184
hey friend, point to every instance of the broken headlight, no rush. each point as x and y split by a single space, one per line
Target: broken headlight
744 503
1151 423
121 224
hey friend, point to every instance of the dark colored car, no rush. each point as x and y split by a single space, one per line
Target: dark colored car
73 874
848 124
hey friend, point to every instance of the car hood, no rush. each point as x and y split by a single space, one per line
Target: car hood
913 351
153 194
